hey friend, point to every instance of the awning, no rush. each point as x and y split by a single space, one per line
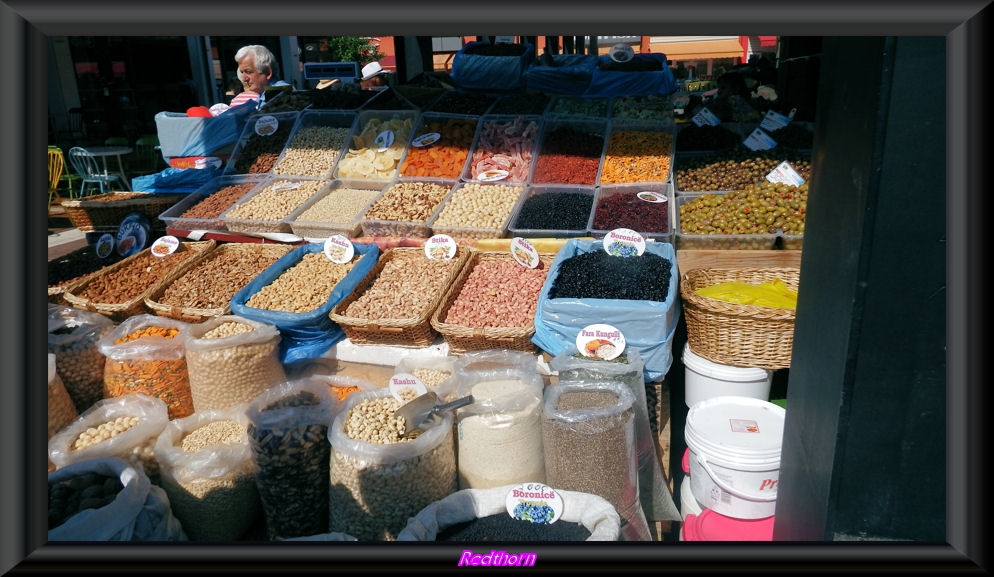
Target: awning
699 49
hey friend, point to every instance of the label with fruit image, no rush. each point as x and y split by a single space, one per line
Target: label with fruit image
338 249
405 387
600 341
165 245
623 242
524 252
266 125
534 502
440 247
652 196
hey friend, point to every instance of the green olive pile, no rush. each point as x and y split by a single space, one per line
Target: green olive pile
733 170
85 491
763 208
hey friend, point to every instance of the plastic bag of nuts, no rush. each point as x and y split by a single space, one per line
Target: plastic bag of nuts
208 472
73 335
146 354
61 410
232 360
288 433
379 481
125 427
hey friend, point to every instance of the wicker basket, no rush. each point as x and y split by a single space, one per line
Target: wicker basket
462 338
734 334
136 304
109 209
409 332
272 251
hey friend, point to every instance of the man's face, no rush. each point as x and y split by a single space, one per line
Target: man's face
252 79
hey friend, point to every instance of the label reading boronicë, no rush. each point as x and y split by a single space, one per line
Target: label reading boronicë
623 242
534 502
338 249
600 341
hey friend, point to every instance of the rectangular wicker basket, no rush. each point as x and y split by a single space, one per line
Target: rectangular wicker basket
109 209
194 314
406 332
135 304
736 334
463 338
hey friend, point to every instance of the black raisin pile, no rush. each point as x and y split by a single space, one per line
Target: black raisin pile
555 211
503 527
599 275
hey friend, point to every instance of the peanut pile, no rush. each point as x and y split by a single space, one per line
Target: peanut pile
404 288
303 287
212 283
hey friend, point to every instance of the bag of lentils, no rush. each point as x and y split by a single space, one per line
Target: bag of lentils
231 360
73 335
288 433
379 480
207 470
146 354
654 492
588 432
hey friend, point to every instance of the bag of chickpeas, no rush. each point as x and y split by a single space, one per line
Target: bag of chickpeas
61 410
126 427
207 470
232 360
146 354
73 336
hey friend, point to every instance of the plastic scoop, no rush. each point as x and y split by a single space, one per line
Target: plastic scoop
419 411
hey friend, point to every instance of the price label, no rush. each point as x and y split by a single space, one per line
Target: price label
405 387
338 249
384 140
652 196
266 125
534 502
426 139
759 140
784 172
440 247
493 174
705 117
774 121
524 252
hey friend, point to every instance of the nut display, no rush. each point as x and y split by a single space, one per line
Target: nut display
303 287
80 364
276 201
340 205
61 410
164 378
498 293
104 431
371 420
404 288
132 278
478 205
408 201
312 151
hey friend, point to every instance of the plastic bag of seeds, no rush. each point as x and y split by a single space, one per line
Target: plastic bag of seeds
437 373
146 354
500 433
61 410
73 335
637 293
340 387
590 511
288 433
126 427
107 499
378 480
588 433
231 360
208 472
654 492
496 359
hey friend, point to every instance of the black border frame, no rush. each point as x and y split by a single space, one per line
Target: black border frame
23 24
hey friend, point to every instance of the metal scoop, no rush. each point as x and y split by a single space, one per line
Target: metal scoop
419 412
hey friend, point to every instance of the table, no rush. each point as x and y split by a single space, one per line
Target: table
104 151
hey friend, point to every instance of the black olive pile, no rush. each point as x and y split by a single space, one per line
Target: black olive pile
599 275
555 211
502 527
706 137
763 208
735 169
85 491
793 136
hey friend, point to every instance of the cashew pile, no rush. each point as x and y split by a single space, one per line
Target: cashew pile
405 288
304 286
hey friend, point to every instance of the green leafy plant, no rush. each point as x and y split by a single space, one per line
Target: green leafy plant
349 49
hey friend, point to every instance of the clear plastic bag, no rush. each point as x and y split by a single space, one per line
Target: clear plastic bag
73 336
61 410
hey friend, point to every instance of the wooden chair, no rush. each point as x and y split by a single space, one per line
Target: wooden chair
56 166
70 179
89 169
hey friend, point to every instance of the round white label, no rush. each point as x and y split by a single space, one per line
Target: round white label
383 140
623 242
405 387
535 502
338 249
266 125
426 139
524 252
493 174
105 245
600 341
652 196
165 245
440 247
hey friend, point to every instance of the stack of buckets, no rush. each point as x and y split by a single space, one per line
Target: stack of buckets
732 461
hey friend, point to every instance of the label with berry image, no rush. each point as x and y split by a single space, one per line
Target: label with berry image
623 242
534 502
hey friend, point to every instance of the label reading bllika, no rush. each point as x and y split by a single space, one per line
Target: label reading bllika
384 140
785 173
774 121
534 502
759 140
524 252
652 196
426 139
705 117
600 341
338 249
266 125
405 387
440 247
623 242
165 245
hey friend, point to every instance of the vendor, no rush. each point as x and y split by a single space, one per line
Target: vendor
255 71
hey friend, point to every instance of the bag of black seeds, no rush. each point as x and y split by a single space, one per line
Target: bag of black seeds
636 294
468 512
588 432
654 491
288 433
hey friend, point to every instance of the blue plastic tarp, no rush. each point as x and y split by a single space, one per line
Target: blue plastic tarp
175 180
485 72
181 135
582 75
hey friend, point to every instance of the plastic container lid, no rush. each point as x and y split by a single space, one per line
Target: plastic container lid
753 440
711 526
708 368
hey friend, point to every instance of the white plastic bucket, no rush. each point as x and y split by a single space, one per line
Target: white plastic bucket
734 445
705 379
688 503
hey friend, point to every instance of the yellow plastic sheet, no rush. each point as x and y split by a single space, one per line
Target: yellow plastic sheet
775 294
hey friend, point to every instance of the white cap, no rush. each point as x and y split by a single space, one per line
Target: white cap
370 70
622 53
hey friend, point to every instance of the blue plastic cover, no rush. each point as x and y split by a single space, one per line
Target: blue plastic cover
484 72
305 335
569 74
648 326
181 135
175 180
622 83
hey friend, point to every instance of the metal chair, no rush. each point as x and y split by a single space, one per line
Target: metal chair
88 167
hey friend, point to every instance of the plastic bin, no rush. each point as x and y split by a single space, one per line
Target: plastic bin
717 241
643 208
567 146
516 228
173 218
638 151
377 144
308 226
498 139
490 194
317 141
405 228
290 193
261 143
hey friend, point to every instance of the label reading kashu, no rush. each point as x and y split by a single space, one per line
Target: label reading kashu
266 125
524 252
338 249
623 242
440 247
405 387
534 502
600 341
